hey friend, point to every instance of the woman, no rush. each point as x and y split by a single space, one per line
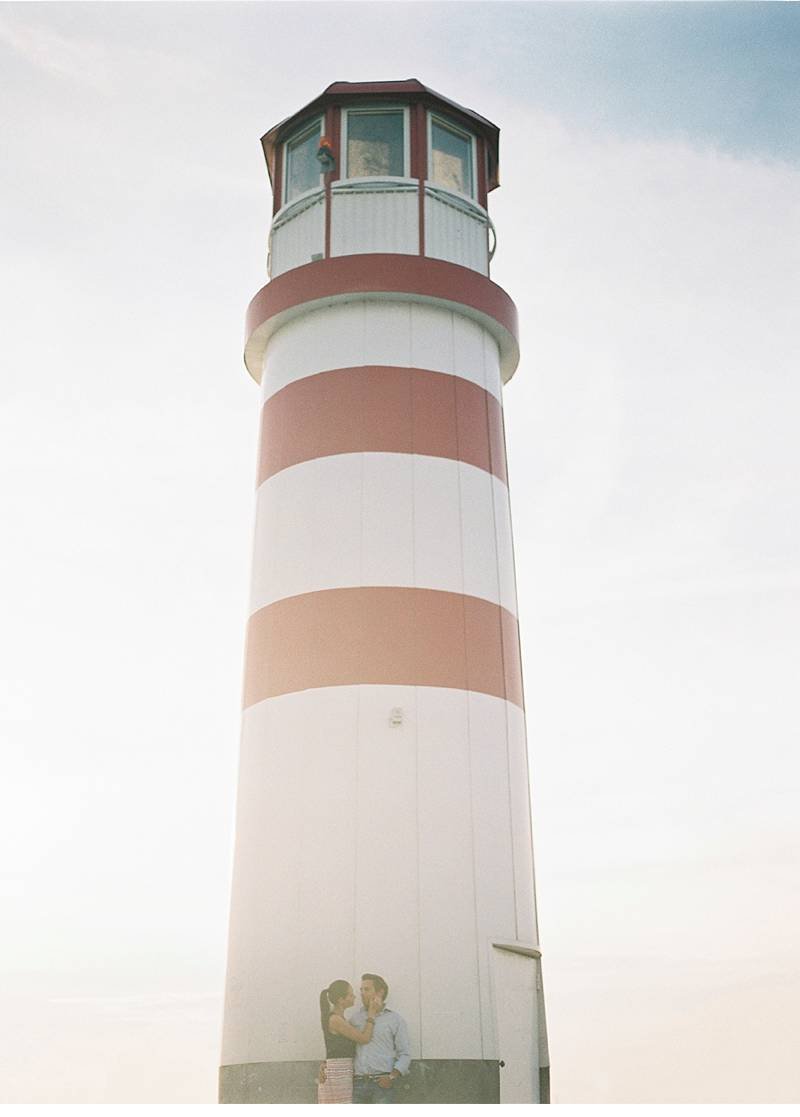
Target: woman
336 1073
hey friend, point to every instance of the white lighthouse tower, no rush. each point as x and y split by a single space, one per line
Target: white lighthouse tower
383 817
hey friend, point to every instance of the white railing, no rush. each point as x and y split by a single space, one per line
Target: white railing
297 235
381 215
456 229
375 215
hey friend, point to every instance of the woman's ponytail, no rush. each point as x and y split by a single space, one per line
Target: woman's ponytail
328 998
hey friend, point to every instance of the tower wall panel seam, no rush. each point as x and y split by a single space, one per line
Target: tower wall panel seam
395 524
381 331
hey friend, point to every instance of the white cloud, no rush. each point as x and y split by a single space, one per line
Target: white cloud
103 63
78 59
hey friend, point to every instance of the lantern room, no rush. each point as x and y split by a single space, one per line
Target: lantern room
381 167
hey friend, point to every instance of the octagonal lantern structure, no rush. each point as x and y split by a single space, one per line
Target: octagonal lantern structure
411 175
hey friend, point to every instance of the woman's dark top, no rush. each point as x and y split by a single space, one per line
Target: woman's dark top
338 1047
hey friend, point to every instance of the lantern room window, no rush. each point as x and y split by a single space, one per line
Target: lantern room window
452 157
376 143
302 171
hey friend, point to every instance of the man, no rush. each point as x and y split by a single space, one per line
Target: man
382 1061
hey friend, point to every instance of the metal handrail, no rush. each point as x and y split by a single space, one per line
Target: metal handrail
493 231
374 186
298 207
463 205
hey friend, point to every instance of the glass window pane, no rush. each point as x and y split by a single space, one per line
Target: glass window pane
451 159
302 166
374 144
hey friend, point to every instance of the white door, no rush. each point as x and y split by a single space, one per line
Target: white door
517 1019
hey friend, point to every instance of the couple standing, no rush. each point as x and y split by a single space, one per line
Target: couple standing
366 1054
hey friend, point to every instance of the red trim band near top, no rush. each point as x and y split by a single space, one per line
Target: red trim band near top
411 278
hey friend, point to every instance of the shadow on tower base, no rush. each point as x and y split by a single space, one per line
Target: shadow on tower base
440 1081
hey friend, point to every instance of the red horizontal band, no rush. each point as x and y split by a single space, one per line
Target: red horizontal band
382 634
382 408
420 278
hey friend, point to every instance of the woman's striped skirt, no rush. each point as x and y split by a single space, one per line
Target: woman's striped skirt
337 1089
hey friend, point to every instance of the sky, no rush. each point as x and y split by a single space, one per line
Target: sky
647 225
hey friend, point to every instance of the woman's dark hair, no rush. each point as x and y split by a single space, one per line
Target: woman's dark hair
328 998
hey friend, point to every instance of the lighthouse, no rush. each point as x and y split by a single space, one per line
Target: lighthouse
383 817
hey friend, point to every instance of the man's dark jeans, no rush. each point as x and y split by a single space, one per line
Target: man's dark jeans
366 1091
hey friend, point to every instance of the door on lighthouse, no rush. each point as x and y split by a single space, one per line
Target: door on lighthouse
515 972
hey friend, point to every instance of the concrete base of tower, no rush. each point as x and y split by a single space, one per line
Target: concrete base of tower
544 1085
441 1081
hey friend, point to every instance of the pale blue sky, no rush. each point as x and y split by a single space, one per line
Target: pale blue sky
648 229
726 74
